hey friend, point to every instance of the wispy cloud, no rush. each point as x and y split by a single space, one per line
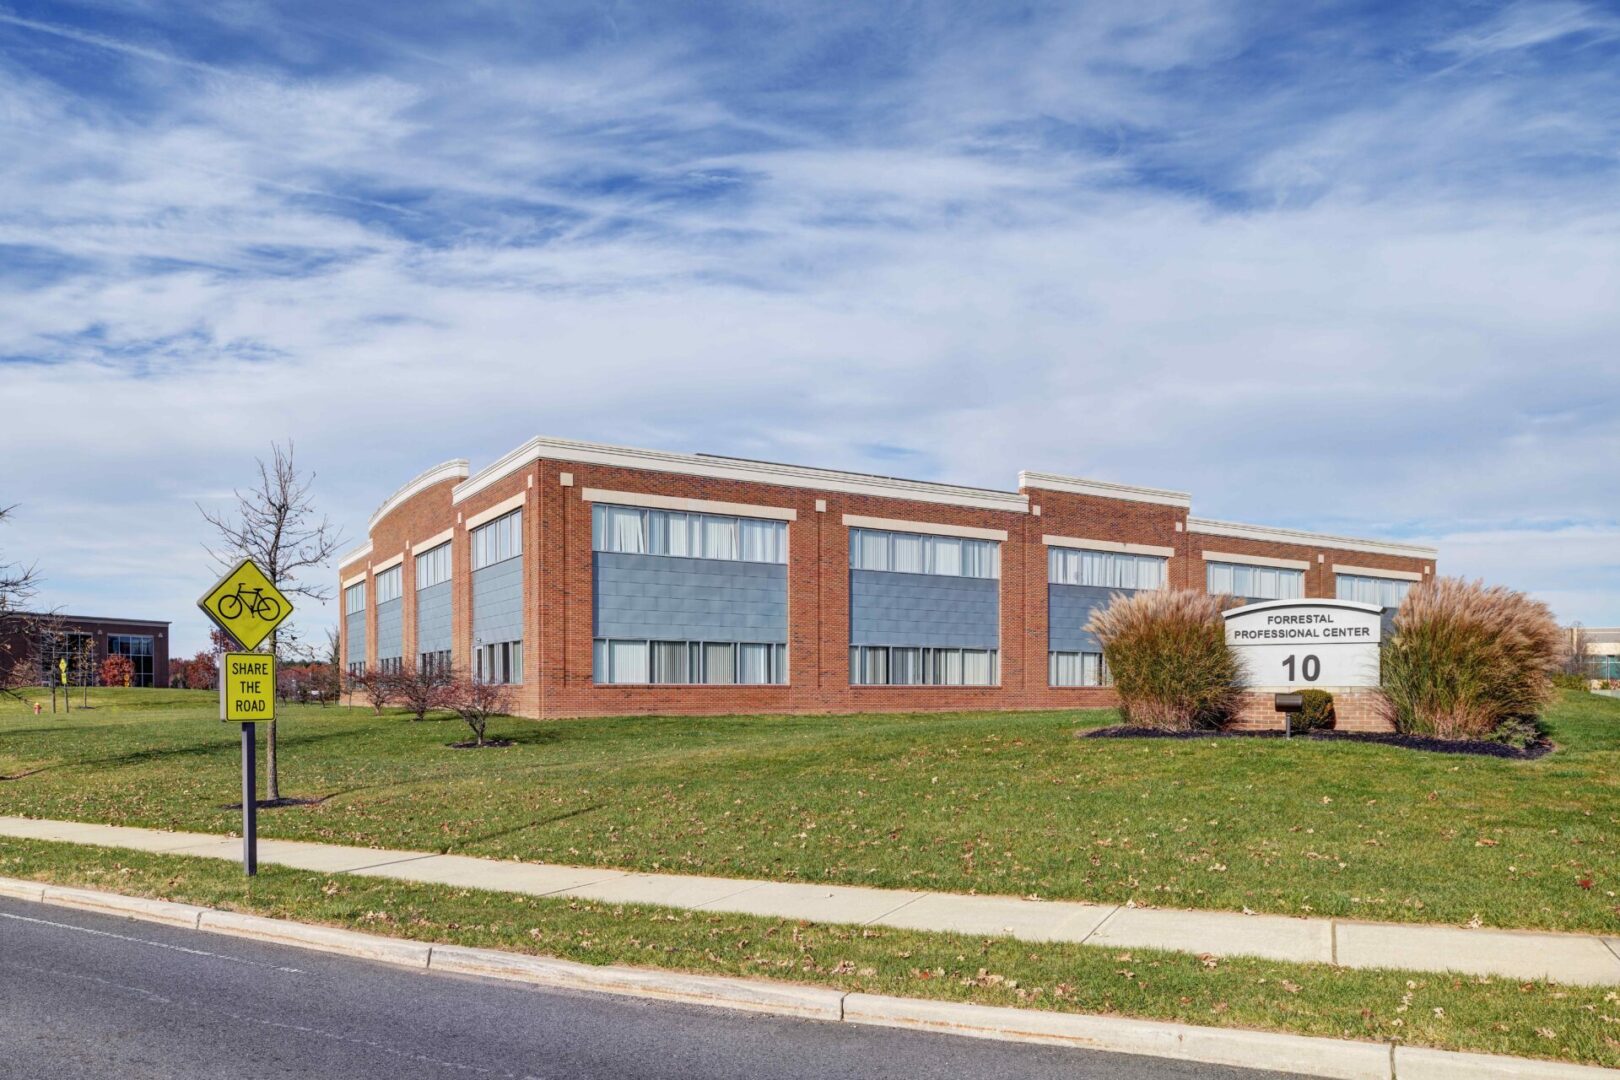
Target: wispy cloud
1353 273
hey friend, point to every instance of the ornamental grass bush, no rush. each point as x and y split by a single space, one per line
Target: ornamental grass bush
1466 659
1169 659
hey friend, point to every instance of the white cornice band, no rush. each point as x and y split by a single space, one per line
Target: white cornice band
455 469
1102 489
697 506
1373 571
1107 545
927 528
505 506
1299 538
356 555
1256 560
760 472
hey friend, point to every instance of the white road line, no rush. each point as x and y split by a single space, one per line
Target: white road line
153 944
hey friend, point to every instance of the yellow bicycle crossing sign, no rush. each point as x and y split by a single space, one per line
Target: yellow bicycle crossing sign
246 604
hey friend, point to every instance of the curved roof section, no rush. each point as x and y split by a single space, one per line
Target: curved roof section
454 469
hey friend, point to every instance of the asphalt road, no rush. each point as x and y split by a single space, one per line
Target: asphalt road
85 996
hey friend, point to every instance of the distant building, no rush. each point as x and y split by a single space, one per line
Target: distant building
32 644
1599 647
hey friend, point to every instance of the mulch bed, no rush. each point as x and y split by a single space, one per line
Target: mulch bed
1409 742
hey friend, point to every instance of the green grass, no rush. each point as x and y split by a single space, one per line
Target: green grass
1533 1019
995 803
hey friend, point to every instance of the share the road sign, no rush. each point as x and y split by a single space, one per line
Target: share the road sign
246 604
249 692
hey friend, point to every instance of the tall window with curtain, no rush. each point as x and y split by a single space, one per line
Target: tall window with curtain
1254 582
634 530
1386 592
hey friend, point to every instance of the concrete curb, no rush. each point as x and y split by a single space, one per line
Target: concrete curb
1416 1063
781 999
1340 1059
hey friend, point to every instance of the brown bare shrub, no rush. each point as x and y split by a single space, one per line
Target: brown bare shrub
1466 658
1169 659
476 702
421 690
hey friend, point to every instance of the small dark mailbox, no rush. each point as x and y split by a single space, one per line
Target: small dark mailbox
1288 705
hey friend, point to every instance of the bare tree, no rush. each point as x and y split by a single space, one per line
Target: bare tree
421 690
476 701
274 523
1575 656
19 630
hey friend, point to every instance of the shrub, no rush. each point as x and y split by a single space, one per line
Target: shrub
421 690
1169 659
1565 681
117 670
475 702
1465 658
1317 712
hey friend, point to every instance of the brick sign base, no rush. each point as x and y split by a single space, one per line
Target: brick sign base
1353 710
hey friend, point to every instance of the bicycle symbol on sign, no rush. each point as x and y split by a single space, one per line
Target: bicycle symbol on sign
232 605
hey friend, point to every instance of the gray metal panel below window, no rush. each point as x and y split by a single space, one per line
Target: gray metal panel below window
433 633
1068 609
674 598
390 629
891 608
497 602
357 636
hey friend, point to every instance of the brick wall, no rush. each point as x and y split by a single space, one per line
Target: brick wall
1353 710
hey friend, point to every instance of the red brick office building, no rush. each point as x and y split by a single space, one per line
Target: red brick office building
31 644
602 580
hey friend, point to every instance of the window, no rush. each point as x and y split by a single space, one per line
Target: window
905 665
498 540
433 566
390 584
434 663
1388 592
671 663
915 553
634 531
1076 669
138 647
1107 569
1254 582
354 599
501 662
391 665
357 668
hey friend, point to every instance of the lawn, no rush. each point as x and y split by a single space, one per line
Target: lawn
1503 1016
989 802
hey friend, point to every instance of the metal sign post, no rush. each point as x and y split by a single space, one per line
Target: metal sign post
246 605
250 798
247 694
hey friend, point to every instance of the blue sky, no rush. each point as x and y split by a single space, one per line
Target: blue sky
1349 267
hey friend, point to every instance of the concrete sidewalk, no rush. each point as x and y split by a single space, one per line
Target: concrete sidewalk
1576 959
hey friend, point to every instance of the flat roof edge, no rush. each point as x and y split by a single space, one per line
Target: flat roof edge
1079 485
1269 534
726 468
